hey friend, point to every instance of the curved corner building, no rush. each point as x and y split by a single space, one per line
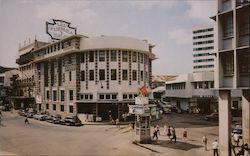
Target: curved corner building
90 75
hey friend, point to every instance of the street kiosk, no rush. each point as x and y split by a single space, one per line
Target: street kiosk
142 110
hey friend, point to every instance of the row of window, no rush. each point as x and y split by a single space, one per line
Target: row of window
62 95
58 46
203 48
203 60
203 30
129 96
243 59
27 67
196 85
62 108
203 36
203 85
113 75
101 55
107 96
176 86
228 26
203 66
86 96
202 54
203 42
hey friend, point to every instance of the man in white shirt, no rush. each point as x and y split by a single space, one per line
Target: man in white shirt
215 146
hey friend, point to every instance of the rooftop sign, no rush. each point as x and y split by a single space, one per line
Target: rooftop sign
59 29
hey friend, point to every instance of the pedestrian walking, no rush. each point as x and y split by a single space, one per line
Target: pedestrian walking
246 150
155 133
241 151
165 129
215 146
110 116
184 134
204 140
169 132
26 121
236 138
173 135
117 123
158 129
174 138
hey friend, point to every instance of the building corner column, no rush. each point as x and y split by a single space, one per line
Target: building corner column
246 115
225 122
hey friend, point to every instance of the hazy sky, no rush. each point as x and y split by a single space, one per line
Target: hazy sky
166 23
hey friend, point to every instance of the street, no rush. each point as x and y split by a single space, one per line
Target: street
44 138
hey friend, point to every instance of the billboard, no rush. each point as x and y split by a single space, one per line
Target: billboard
59 29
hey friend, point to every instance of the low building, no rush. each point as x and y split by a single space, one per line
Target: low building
191 91
7 85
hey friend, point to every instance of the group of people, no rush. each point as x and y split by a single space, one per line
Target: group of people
169 131
244 150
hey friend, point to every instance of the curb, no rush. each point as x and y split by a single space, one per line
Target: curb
145 147
104 123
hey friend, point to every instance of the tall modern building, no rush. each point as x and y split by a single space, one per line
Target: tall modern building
232 70
86 75
203 47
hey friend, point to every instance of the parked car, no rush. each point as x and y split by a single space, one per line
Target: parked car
49 119
166 110
212 117
71 121
53 119
40 117
30 114
21 112
57 119
6 107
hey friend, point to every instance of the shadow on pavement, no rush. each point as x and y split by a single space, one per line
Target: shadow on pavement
184 120
178 145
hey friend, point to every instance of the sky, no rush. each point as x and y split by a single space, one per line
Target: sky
168 24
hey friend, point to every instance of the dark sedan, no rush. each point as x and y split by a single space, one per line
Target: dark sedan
212 117
71 121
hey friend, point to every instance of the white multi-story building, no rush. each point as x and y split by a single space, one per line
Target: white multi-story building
89 75
192 91
203 47
232 70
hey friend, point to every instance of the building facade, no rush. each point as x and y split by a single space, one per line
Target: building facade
232 70
7 85
90 75
203 47
189 92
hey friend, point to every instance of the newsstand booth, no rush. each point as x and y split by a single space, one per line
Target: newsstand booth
142 110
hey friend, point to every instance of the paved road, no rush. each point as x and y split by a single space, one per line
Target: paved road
48 139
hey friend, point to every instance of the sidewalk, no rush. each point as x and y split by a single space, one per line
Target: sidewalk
181 148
